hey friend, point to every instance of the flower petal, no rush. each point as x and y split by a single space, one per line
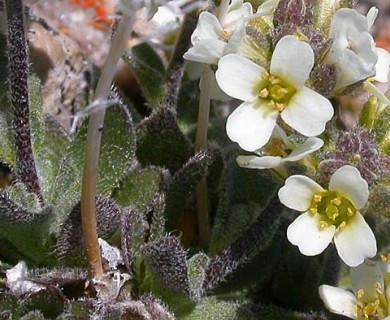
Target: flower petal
338 301
251 125
308 112
206 51
348 181
298 191
239 77
243 11
366 276
305 233
382 66
208 27
309 146
372 14
355 241
253 162
293 69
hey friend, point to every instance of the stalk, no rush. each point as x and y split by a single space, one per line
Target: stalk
201 143
18 82
201 140
88 192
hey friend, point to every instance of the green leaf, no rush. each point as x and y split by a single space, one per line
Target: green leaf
166 260
160 141
197 266
8 302
139 187
69 246
16 222
183 183
7 153
244 195
215 309
116 155
49 301
149 70
48 142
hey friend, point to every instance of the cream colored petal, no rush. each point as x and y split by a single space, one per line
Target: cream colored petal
366 276
382 66
308 112
339 301
297 192
309 146
355 242
251 125
208 27
348 181
254 162
292 60
305 233
206 51
239 77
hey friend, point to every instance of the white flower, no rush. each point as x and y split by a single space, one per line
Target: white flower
371 297
213 38
278 150
382 67
353 49
330 214
266 94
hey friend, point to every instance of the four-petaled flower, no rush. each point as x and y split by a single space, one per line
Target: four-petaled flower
214 38
266 94
371 297
353 49
278 150
330 214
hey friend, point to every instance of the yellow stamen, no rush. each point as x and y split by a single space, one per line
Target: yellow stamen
317 198
342 225
323 224
264 93
336 201
350 212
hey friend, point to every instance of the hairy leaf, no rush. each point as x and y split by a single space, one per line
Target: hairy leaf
183 183
244 195
160 141
117 151
149 70
69 245
16 222
166 260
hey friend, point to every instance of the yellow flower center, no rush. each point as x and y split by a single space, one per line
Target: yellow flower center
275 91
372 310
276 147
333 208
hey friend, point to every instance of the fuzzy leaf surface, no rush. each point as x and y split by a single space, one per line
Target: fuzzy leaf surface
160 142
148 68
244 195
117 152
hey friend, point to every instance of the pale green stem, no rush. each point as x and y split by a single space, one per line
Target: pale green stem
201 143
88 192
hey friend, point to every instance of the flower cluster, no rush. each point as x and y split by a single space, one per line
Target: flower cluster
292 68
371 293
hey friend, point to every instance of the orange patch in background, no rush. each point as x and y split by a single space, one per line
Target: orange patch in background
383 42
101 19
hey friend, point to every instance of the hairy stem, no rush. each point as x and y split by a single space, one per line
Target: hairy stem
88 192
200 144
18 82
